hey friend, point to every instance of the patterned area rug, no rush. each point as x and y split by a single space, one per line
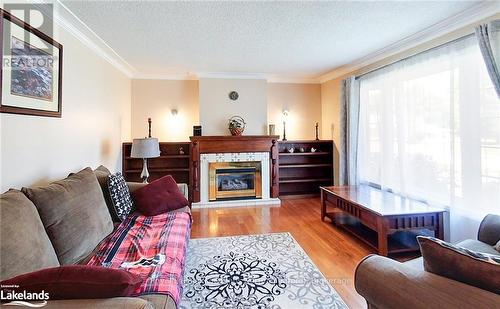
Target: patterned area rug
256 271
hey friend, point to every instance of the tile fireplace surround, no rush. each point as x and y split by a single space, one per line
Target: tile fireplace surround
259 150
206 159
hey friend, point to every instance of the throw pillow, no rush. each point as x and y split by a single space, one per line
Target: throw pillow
474 268
497 246
120 196
74 214
160 196
76 282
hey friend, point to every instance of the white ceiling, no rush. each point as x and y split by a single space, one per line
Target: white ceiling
284 39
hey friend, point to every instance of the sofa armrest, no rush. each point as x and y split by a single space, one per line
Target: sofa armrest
132 186
108 303
386 283
489 230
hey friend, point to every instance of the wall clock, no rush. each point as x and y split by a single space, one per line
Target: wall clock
233 95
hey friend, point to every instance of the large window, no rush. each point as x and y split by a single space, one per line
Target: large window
430 129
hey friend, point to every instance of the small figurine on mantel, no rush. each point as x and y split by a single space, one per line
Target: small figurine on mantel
317 131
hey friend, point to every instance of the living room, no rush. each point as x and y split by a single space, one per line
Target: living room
184 154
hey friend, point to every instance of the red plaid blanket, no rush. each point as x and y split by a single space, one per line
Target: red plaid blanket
152 247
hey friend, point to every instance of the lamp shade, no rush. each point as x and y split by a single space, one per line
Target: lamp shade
145 148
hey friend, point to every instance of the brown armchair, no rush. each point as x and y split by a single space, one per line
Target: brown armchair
386 283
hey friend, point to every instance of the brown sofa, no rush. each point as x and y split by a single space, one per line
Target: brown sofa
386 283
27 242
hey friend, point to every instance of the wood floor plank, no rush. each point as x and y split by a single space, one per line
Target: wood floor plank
334 251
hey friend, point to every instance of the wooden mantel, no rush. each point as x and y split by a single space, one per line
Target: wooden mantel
230 144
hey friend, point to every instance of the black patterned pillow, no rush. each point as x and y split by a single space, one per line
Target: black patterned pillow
120 196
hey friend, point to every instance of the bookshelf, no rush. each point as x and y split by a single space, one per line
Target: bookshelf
170 162
302 173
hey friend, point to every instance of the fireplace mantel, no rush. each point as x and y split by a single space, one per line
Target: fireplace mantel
234 144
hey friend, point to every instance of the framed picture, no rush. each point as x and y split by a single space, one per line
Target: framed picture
31 71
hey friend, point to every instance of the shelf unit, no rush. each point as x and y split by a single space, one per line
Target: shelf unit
170 162
302 173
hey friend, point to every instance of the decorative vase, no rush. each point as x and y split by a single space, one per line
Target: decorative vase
272 129
236 125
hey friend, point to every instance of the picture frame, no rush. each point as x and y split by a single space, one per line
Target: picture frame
31 70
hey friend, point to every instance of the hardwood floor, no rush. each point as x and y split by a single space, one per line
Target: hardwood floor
335 252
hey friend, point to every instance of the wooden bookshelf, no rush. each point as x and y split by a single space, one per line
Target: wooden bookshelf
302 173
170 162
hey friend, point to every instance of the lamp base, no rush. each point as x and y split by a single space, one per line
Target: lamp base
145 172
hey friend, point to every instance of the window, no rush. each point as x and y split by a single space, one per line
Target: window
429 128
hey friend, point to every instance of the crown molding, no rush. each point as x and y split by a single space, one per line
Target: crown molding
465 18
221 75
64 18
168 76
231 75
292 80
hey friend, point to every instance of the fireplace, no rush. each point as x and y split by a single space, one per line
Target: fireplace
235 180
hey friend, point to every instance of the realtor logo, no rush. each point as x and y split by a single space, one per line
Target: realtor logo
9 295
40 14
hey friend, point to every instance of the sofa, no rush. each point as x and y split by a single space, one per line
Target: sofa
28 242
386 283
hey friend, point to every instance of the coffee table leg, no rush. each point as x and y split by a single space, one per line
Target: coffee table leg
440 228
323 205
382 236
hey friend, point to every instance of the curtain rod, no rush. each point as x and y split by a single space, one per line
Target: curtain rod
415 54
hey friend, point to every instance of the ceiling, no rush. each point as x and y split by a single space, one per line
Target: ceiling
285 39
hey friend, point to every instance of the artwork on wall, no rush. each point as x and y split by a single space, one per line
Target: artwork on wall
31 71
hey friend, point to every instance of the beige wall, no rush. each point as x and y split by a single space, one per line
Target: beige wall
259 103
216 107
303 102
156 99
95 119
330 114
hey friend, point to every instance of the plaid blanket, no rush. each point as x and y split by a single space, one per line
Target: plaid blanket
152 247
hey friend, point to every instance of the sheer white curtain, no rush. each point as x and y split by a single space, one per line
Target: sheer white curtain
430 129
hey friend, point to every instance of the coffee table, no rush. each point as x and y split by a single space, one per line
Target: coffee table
387 222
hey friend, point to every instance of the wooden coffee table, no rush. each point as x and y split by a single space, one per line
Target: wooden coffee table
387 222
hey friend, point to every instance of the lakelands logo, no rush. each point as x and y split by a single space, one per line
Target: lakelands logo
25 299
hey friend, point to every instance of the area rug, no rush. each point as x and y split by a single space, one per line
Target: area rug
255 271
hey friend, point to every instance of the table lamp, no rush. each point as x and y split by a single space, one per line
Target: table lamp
145 148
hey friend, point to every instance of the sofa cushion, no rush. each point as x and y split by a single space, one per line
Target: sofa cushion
160 196
120 196
417 263
160 301
497 246
461 264
102 174
477 246
77 282
74 214
24 244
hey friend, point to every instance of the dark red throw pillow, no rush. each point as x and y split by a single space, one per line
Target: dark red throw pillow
76 282
159 196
